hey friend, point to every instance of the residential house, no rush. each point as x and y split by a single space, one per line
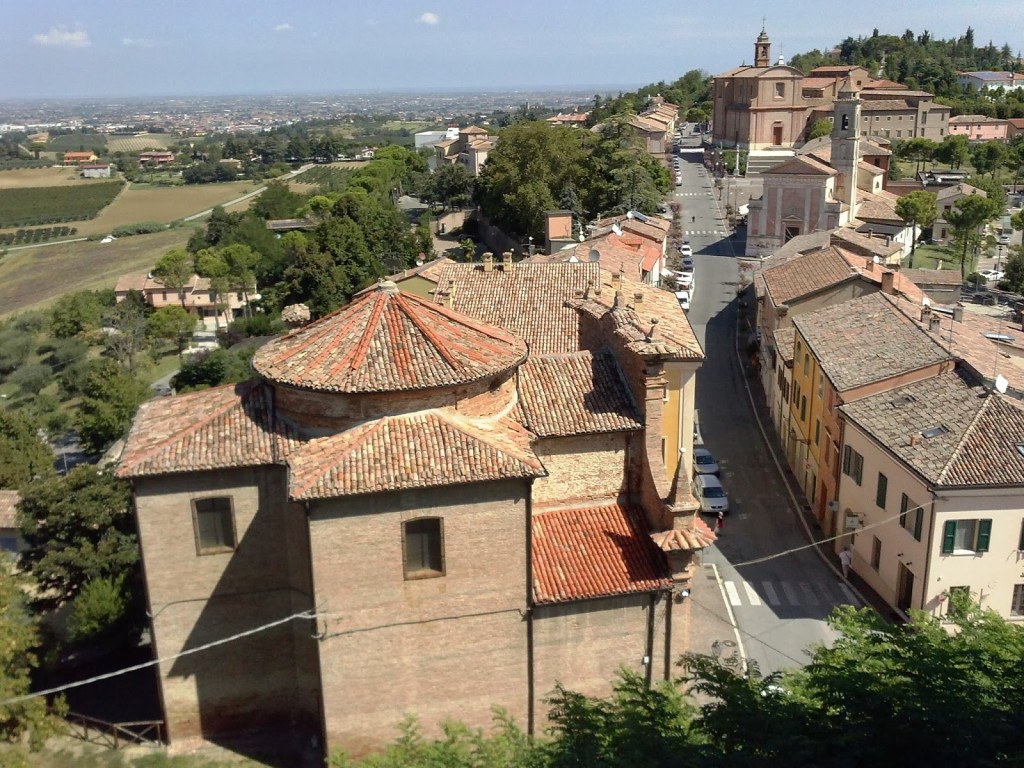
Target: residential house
101 171
980 127
11 542
198 297
156 157
633 245
470 147
407 485
1014 127
933 472
946 197
941 286
574 120
991 80
840 354
80 158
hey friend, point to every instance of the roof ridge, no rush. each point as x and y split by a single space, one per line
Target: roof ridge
358 352
350 438
427 331
968 432
192 426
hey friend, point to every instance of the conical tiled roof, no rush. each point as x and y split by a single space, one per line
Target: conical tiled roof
387 341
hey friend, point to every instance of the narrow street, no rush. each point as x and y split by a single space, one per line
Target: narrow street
779 605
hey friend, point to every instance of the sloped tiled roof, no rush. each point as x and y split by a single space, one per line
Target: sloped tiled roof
866 340
978 446
576 394
594 552
784 341
528 300
228 426
801 165
9 509
420 450
812 272
685 540
388 341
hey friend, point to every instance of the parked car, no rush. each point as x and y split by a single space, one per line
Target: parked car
704 462
1004 239
683 297
992 274
687 266
709 492
686 249
685 280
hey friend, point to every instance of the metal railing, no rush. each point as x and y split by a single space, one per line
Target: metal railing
115 735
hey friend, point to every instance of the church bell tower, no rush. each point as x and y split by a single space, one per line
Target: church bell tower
846 143
762 49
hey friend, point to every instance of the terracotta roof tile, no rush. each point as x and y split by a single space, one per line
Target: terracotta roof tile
576 394
9 509
685 540
419 450
865 340
594 552
785 338
812 272
388 341
801 165
229 426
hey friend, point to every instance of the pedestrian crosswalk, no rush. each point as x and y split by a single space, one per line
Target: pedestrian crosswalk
721 232
706 193
788 593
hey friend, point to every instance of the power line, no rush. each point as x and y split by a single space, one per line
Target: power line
154 662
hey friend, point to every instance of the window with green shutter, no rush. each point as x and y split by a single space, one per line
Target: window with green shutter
904 503
948 537
984 534
881 490
846 471
1020 542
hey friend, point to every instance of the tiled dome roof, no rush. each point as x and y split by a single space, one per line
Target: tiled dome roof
388 341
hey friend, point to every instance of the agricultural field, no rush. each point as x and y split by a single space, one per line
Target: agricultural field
36 277
165 204
76 142
25 178
138 143
30 236
54 205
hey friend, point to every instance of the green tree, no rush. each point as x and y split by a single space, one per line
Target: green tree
78 528
110 397
988 157
822 127
23 454
100 609
19 641
211 369
277 201
173 324
175 269
451 185
210 263
954 151
127 318
1014 270
75 313
918 209
965 218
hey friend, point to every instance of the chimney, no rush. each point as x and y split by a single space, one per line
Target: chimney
913 440
958 314
506 261
869 264
889 282
934 323
616 281
488 261
638 298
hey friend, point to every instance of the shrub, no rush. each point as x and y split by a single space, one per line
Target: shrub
100 607
31 377
139 228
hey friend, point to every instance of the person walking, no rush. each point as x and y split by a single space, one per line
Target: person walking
845 560
720 523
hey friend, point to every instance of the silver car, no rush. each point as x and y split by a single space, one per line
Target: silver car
704 462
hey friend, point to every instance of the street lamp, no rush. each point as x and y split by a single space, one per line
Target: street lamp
999 255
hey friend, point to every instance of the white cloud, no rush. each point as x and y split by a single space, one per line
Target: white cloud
429 18
142 42
62 37
286 27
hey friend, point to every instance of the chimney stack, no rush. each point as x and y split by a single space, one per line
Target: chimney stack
869 264
488 261
913 440
889 282
638 298
934 323
616 281
506 261
958 314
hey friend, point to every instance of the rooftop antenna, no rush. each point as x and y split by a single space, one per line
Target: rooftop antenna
594 255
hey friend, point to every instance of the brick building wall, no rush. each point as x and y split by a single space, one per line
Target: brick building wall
198 598
581 467
444 647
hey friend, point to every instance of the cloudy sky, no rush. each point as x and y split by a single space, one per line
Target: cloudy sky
114 48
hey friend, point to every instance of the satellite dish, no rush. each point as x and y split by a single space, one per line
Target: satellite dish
926 302
1001 384
629 214
616 230
876 260
594 255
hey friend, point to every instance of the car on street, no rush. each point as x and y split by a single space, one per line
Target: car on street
683 297
1004 239
709 492
704 462
687 265
685 281
992 274
686 249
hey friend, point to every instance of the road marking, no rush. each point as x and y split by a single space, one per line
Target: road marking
790 593
848 594
829 598
809 593
770 593
751 594
734 596
732 620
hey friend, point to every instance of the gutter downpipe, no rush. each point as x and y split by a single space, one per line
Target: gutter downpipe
928 551
530 675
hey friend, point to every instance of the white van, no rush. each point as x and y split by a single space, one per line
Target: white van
709 492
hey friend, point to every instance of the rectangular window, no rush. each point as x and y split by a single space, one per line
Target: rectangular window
1020 541
1017 605
423 547
214 522
876 552
780 90
803 408
911 516
817 431
961 537
881 490
853 464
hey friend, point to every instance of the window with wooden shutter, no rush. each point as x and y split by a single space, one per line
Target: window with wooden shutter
881 490
213 521
846 470
904 503
984 534
948 537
